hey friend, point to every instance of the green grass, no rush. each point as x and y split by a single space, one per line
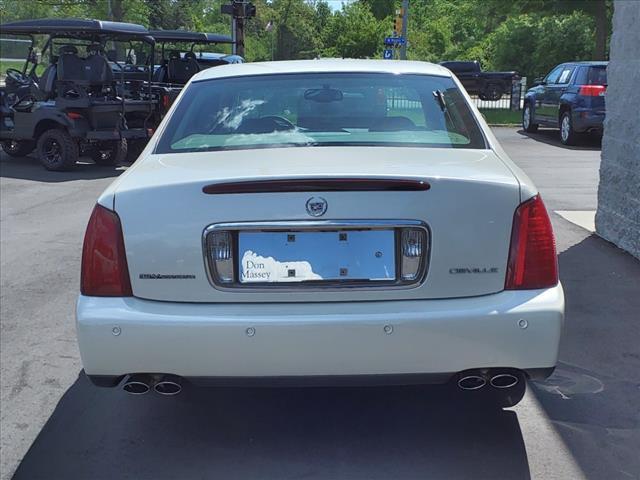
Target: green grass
502 117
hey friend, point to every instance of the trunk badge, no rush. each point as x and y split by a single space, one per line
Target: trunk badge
316 206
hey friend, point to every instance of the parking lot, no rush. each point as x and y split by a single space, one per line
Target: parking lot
583 422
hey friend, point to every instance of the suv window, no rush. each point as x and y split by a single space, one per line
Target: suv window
554 74
565 75
591 76
318 109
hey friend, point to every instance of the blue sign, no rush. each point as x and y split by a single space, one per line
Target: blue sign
394 41
387 54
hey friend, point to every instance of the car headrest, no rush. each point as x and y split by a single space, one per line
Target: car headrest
94 49
174 54
68 49
190 55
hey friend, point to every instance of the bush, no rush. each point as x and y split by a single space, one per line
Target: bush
533 45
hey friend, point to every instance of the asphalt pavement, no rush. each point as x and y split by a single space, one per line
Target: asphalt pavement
583 422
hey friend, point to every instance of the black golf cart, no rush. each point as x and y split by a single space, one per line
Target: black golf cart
181 55
85 100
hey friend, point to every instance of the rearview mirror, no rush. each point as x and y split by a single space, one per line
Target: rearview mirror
323 95
539 81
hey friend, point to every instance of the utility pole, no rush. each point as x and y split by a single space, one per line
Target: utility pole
405 20
239 10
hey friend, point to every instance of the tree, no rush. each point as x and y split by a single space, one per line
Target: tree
354 33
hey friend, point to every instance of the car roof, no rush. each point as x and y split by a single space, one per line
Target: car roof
594 63
73 27
191 37
323 66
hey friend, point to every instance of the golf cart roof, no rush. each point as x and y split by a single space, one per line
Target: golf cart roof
191 37
74 27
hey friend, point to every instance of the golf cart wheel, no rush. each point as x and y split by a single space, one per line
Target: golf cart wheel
18 148
57 150
134 149
110 153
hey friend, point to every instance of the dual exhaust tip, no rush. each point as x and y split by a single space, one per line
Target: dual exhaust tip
477 380
139 384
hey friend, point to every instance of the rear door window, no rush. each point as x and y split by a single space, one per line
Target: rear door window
565 75
554 75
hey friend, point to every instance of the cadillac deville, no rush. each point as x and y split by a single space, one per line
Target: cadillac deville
321 222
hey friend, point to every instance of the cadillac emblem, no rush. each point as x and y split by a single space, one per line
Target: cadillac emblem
316 206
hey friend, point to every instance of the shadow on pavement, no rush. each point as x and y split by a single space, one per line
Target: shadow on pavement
552 137
593 398
368 433
28 168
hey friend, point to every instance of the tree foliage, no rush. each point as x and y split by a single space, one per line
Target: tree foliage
525 35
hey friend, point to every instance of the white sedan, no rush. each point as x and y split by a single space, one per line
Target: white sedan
321 222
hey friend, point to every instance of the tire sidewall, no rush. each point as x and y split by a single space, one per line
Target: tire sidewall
570 138
117 153
533 127
69 151
22 148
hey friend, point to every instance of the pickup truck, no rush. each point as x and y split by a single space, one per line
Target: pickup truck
487 85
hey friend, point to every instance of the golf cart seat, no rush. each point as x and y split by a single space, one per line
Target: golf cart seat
97 68
48 79
82 81
180 70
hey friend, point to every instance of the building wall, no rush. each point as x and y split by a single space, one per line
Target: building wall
618 214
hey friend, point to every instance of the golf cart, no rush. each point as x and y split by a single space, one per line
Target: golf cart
180 60
85 100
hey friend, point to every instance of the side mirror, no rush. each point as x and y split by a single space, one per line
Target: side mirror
539 81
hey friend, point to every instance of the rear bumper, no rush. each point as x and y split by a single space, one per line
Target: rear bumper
514 329
587 119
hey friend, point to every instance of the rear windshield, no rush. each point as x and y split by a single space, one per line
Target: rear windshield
592 75
321 109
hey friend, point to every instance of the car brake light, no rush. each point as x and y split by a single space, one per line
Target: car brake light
104 271
532 256
592 90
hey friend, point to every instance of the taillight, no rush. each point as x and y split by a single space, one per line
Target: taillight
592 90
532 255
104 271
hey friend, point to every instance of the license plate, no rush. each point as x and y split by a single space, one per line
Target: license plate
304 256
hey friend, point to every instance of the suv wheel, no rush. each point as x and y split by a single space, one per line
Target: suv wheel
18 148
109 153
527 119
568 136
57 150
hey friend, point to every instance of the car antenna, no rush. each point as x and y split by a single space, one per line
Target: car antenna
439 96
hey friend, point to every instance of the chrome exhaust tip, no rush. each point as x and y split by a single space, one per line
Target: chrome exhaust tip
504 380
471 382
137 384
168 385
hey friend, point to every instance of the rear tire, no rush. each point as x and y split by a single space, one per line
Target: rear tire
493 92
134 149
57 150
109 153
18 148
527 120
568 136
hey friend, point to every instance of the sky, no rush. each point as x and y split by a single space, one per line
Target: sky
337 4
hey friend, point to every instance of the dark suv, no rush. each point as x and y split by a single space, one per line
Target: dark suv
570 97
